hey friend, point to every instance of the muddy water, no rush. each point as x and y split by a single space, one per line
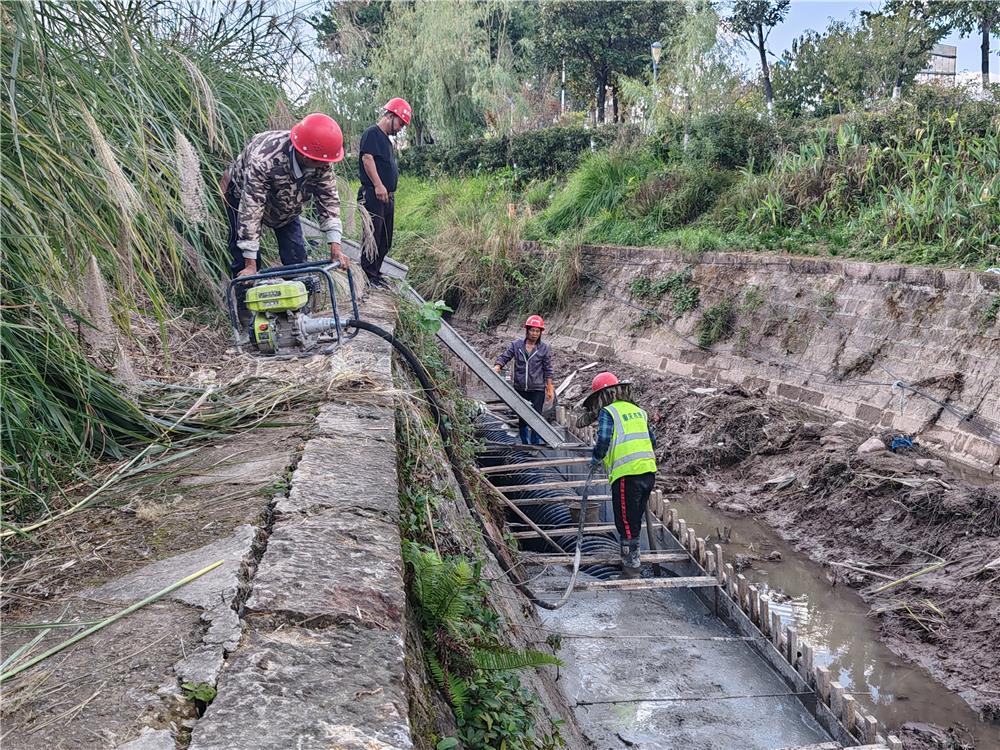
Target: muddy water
834 621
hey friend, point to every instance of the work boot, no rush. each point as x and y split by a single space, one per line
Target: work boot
631 566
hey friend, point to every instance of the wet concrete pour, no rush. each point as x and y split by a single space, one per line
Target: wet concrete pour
656 669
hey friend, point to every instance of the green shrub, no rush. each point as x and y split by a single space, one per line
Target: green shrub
602 183
679 195
538 194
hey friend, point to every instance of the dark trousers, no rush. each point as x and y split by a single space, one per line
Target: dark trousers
382 218
537 401
291 244
629 496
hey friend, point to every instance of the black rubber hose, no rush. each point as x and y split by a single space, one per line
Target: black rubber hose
430 391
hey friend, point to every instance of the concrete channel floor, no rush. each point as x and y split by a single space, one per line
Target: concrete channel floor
627 652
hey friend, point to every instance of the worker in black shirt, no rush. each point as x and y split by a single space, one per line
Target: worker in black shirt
379 174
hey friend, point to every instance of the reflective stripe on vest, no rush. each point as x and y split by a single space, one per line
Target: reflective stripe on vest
631 450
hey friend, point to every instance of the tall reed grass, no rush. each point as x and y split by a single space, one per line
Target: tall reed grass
118 118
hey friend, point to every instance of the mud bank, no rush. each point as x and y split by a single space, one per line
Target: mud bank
887 515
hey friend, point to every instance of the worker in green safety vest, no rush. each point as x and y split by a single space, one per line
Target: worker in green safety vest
626 444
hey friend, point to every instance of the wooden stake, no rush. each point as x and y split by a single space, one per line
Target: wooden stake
741 586
682 531
869 728
807 663
730 581
692 544
764 605
793 645
850 713
837 700
894 742
776 630
822 676
720 571
753 605
672 524
702 558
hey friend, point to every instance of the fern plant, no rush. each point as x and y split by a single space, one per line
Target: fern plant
465 655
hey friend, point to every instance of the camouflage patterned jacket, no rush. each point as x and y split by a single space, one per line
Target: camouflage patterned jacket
272 188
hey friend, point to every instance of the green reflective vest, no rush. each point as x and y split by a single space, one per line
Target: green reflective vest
631 450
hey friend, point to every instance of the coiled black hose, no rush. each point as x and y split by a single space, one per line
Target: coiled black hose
430 392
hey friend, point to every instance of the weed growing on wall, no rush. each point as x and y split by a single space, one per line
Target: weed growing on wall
683 292
716 322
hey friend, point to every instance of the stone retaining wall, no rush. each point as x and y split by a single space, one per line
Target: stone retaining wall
831 335
321 663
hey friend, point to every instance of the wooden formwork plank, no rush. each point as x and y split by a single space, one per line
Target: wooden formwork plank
602 528
635 584
565 484
647 557
820 746
529 465
569 499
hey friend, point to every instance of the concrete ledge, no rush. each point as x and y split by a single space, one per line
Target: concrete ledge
322 664
311 689
332 568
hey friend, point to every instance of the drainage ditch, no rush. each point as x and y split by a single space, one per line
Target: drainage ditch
835 621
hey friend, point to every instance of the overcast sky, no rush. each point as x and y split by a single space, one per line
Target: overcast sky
816 14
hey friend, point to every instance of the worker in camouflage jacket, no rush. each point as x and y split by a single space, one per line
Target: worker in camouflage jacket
269 183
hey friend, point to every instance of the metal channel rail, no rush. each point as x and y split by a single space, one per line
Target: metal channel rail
484 371
456 344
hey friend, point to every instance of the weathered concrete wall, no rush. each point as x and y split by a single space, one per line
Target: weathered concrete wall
832 335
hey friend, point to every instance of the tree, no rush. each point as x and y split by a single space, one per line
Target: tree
696 76
600 41
910 29
982 16
753 21
845 66
453 61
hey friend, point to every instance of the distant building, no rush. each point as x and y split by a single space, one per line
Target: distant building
941 65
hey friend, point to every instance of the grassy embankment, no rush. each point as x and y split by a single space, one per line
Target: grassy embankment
908 185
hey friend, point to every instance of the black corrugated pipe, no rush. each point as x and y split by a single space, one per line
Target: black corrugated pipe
430 392
547 516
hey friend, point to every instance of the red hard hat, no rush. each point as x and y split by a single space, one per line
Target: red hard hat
534 321
319 137
602 380
400 108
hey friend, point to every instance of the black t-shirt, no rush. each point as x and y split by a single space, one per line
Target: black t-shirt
377 143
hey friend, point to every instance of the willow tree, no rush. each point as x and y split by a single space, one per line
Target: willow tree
453 61
697 73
